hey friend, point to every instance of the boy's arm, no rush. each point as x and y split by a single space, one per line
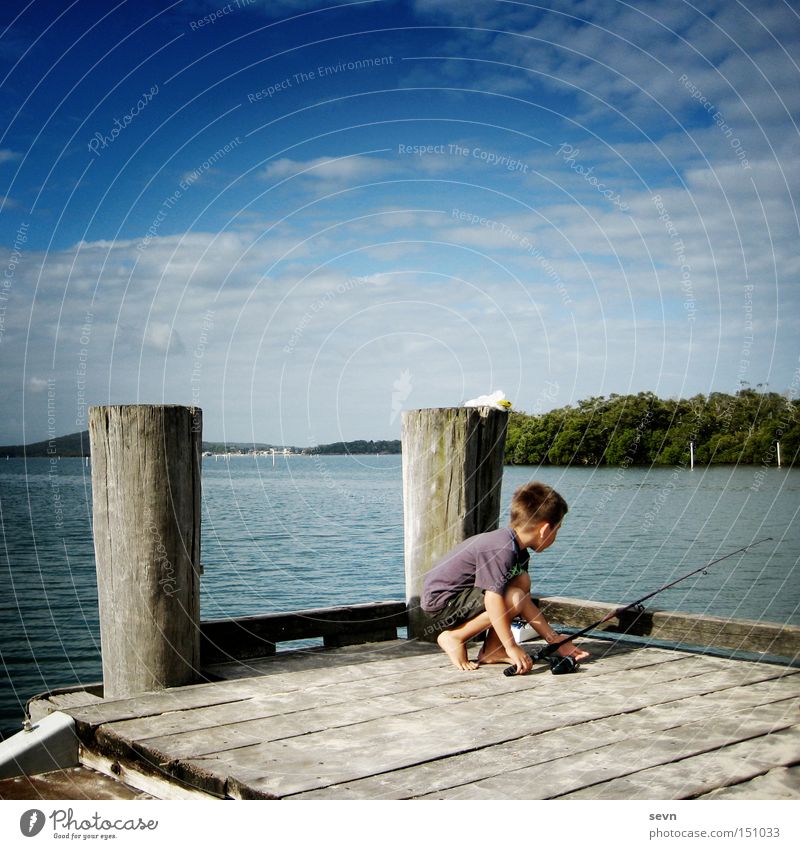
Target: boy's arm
542 627
496 608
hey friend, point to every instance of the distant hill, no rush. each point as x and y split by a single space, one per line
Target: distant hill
77 445
72 445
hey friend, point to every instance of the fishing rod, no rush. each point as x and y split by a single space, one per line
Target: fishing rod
561 665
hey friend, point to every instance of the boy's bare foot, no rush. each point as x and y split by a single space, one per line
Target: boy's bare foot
495 656
455 650
571 650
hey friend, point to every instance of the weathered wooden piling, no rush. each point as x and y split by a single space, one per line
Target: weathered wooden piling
452 474
146 505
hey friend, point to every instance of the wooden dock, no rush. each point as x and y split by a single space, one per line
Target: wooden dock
368 716
393 720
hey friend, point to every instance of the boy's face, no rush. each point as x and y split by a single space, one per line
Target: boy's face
545 536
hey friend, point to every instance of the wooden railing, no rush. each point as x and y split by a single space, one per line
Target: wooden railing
689 629
250 637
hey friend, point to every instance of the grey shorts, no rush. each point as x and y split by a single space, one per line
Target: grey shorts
465 605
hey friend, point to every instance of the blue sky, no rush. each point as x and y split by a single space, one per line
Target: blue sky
304 217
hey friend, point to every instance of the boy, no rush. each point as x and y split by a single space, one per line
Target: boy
483 583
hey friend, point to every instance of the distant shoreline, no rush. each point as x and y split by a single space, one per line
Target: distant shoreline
262 455
77 445
749 428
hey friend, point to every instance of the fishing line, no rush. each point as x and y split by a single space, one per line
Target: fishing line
562 665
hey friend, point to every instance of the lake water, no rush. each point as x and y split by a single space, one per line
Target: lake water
320 531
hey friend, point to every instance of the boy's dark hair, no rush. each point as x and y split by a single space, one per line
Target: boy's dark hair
537 502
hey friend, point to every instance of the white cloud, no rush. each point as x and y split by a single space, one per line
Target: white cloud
163 338
345 169
566 287
37 385
621 64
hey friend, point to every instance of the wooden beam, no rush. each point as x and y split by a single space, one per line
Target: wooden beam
256 636
671 626
452 473
146 505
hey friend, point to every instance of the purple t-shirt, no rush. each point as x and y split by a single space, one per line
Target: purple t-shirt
487 561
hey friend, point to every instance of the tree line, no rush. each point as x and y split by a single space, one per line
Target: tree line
620 430
357 446
626 430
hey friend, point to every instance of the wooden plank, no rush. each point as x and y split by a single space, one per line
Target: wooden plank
302 692
38 708
151 704
528 751
271 706
591 774
240 689
323 758
295 680
65 701
695 776
75 783
359 637
319 658
390 743
205 774
256 636
684 628
147 782
448 683
777 784
306 713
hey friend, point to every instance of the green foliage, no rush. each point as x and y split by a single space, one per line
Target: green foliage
627 430
358 446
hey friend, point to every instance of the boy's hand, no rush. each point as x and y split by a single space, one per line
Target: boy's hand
521 659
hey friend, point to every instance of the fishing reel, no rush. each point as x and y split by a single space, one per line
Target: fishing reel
562 665
558 665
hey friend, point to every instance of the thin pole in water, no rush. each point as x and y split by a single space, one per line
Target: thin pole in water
778 444
691 455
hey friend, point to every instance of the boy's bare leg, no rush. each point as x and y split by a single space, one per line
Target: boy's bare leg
493 650
454 641
518 599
